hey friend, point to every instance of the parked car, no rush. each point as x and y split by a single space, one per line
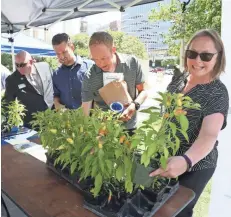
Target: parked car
157 69
169 71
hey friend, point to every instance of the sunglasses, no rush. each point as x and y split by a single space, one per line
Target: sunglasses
206 57
20 65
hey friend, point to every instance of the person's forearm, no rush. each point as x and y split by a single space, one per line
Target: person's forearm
56 101
201 148
141 97
87 107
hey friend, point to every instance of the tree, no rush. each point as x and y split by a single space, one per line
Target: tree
52 61
81 44
199 14
6 60
124 44
169 62
129 44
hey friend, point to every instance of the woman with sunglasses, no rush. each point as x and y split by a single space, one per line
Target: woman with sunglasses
196 160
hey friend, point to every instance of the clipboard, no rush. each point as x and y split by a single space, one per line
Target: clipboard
115 91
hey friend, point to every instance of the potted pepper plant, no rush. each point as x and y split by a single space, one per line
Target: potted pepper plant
158 137
12 114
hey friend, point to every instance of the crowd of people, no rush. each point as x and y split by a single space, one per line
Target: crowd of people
77 82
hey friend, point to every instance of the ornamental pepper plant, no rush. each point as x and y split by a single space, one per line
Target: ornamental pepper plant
158 137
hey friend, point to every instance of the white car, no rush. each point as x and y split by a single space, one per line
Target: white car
169 71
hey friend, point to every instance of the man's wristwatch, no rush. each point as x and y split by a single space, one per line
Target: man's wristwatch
188 161
137 105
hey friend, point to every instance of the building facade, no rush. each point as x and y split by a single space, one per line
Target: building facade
135 21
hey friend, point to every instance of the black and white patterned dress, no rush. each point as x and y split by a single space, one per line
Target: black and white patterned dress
213 98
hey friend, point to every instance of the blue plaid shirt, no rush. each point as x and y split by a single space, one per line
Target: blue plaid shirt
67 82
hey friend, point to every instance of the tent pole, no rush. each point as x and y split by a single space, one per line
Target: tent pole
12 53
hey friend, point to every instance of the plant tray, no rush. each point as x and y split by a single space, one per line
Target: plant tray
139 205
142 203
66 174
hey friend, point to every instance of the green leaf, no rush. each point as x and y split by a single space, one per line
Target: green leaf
64 165
151 149
94 170
184 134
61 147
163 162
184 122
101 164
129 186
73 166
117 132
173 128
145 159
135 143
150 109
177 144
158 99
109 166
166 153
86 149
118 153
98 184
119 172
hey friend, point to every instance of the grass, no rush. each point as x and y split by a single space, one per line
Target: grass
202 207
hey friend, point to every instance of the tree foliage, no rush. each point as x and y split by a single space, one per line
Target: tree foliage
124 44
81 44
6 60
129 44
199 14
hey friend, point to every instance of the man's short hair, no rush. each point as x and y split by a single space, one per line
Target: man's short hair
101 38
60 38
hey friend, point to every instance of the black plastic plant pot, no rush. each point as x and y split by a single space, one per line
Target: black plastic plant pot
140 173
129 210
99 201
66 173
102 207
141 202
83 185
154 196
52 157
118 199
50 163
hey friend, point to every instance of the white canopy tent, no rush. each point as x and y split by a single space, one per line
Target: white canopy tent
27 43
23 14
17 16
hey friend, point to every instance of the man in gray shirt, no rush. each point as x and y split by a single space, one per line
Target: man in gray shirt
103 53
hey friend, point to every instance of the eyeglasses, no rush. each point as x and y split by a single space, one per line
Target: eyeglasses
206 57
20 65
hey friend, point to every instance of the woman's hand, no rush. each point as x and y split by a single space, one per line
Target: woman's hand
175 167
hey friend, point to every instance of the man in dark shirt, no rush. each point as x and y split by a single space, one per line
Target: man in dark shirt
67 80
31 84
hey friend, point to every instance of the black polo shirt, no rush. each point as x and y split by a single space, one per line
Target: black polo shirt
213 98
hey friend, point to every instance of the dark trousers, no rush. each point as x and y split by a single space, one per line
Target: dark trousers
196 181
